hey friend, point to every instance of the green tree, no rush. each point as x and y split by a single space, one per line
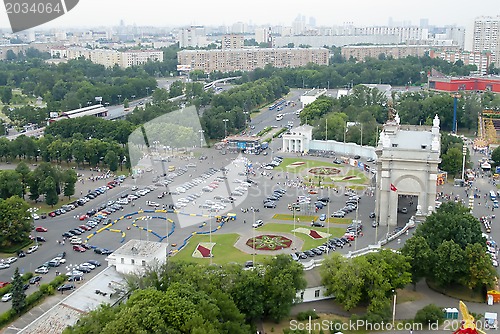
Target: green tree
480 271
50 192
111 160
18 295
449 263
451 161
5 94
70 178
452 221
418 251
495 155
430 314
15 221
10 184
23 170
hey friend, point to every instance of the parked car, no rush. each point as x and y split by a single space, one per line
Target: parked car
21 253
66 287
322 217
40 229
35 279
42 270
258 223
4 265
79 248
10 260
7 297
32 249
317 224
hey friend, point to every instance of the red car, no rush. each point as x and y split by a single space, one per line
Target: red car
349 237
78 248
84 227
52 214
3 284
40 229
83 217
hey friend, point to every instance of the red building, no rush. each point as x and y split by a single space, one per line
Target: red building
450 84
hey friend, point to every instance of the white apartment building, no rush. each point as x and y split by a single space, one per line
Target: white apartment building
108 58
249 59
486 37
360 52
482 60
193 36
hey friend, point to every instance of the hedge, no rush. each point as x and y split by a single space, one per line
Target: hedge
14 248
6 289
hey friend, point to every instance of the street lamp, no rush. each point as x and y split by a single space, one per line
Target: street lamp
147 90
225 120
201 137
246 118
394 308
119 98
253 229
464 152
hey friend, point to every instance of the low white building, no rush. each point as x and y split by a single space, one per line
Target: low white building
136 255
298 139
311 96
314 290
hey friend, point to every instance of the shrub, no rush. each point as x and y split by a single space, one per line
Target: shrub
306 314
429 314
27 276
5 289
58 281
6 317
32 299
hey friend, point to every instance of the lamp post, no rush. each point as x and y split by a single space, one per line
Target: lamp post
210 227
201 137
253 229
119 98
246 119
225 120
464 152
394 308
147 90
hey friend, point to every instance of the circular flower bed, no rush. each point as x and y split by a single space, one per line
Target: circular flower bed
324 171
269 242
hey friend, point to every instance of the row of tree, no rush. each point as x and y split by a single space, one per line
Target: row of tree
75 84
45 180
191 298
236 104
78 149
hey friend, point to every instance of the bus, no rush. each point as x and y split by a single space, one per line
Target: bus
493 195
279 117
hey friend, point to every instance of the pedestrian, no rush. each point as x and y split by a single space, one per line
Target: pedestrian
244 221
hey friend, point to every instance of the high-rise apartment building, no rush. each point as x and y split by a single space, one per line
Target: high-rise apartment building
486 37
193 36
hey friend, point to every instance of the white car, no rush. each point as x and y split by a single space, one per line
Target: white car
10 260
41 270
151 203
88 265
75 241
4 265
35 216
32 249
60 259
7 297
74 273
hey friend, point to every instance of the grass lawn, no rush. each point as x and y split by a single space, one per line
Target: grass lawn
272 327
459 292
281 216
308 241
308 164
44 208
224 251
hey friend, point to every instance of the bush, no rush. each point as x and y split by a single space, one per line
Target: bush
58 281
32 299
306 314
5 289
429 314
27 276
6 317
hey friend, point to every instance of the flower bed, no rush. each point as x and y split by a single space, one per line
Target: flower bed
269 242
296 164
203 250
312 233
324 171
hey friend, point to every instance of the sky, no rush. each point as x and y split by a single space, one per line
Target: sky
93 13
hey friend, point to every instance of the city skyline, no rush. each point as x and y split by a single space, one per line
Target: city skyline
94 13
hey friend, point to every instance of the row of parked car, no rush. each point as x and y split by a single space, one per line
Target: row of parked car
350 205
274 163
270 201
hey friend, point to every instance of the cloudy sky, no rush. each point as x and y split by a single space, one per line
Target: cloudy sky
89 13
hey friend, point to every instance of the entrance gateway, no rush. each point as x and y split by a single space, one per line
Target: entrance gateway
407 165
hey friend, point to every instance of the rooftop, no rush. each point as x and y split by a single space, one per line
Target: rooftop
79 302
140 248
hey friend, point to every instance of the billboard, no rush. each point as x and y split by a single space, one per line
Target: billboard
183 68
